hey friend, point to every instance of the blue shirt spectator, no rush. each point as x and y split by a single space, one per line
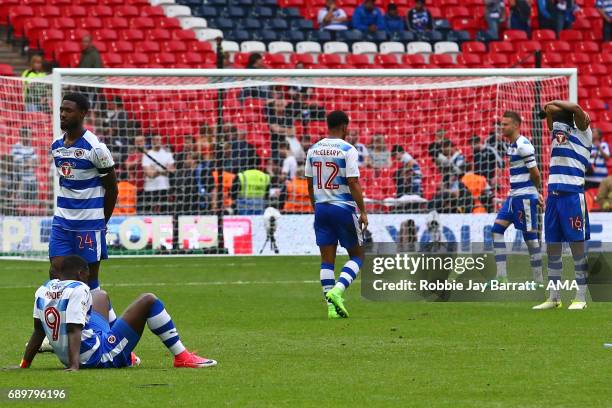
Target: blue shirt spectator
604 7
419 18
393 22
368 18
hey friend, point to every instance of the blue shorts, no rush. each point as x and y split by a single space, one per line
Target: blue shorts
116 343
335 224
89 245
566 218
522 211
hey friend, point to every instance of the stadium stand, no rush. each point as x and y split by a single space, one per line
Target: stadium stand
181 34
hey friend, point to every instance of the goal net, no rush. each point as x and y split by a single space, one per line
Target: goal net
201 154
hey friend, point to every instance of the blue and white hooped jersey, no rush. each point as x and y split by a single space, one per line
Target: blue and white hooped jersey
80 202
330 162
569 158
598 162
58 303
522 158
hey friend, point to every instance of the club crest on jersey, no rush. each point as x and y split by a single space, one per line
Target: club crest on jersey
78 153
66 169
111 339
560 136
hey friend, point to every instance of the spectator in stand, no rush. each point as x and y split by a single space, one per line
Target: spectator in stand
381 156
205 142
604 194
135 172
485 159
158 166
90 56
250 190
331 17
242 152
34 93
195 187
24 165
294 196
408 176
281 121
127 197
115 124
600 153
394 23
368 18
520 15
419 18
545 17
364 155
451 164
482 196
494 16
435 148
604 7
255 61
290 164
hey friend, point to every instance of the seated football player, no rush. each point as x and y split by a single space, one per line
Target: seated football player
75 320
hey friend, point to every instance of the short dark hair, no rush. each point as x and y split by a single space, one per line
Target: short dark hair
513 115
81 100
72 265
397 149
336 119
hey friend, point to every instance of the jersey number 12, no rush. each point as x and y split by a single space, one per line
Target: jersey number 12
328 184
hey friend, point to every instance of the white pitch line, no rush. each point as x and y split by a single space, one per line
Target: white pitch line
213 283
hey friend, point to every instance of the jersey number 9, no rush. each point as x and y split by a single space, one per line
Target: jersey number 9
52 320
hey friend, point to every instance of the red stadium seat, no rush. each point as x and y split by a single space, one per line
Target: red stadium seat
306 59
165 60
386 60
589 47
17 17
358 60
76 34
64 23
501 47
331 60
75 11
552 59
602 58
570 35
594 104
101 11
515 35
469 60
4 11
142 23
173 46
595 69
578 58
528 46
557 46
442 60
33 29
158 34
186 36
121 47
413 60
152 11
543 35
49 11
6 70
64 53
90 23
474 47
137 59
169 23
105 34
117 23
48 41
457 12
191 59
112 60
127 11
497 60
200 46
582 24
132 35
588 81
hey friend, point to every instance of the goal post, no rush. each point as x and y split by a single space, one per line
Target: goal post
256 119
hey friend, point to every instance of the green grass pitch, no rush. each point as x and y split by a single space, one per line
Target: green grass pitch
263 319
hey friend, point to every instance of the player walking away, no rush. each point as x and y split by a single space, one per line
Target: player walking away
87 192
521 206
332 169
566 218
75 320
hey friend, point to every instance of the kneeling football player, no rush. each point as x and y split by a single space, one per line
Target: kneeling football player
75 320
